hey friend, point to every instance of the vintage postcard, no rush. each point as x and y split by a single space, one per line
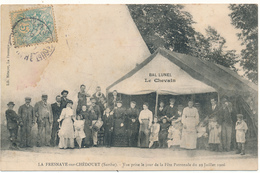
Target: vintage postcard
129 87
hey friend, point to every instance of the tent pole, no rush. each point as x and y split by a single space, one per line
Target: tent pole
107 94
218 99
156 105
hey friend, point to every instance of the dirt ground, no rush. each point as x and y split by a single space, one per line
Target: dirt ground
119 158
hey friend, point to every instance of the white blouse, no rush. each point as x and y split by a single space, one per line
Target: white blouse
66 113
146 114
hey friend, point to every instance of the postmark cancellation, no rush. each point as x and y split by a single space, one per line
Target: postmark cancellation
33 26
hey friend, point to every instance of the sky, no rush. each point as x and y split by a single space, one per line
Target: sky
217 17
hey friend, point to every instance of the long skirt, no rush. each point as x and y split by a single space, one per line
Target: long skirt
88 132
133 131
144 133
120 137
189 136
66 134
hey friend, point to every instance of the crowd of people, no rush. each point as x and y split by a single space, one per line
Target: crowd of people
172 126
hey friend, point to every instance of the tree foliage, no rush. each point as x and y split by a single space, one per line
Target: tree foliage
212 47
245 18
163 25
169 26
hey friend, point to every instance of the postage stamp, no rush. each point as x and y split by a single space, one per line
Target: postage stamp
33 26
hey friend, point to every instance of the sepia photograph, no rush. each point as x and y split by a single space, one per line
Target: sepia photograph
129 87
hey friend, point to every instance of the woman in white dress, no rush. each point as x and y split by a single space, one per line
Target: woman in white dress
190 120
66 132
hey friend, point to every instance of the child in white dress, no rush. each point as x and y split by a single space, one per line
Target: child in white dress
241 129
155 128
174 134
79 129
214 134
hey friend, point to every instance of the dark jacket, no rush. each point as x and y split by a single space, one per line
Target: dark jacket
112 102
132 113
164 127
216 113
108 122
226 116
87 118
120 113
160 113
26 114
63 102
94 112
56 111
12 119
171 111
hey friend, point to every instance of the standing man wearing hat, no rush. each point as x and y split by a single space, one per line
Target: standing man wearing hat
95 115
13 120
64 98
56 110
27 116
132 114
44 119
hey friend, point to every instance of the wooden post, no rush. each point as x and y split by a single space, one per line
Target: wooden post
193 98
107 94
156 105
218 99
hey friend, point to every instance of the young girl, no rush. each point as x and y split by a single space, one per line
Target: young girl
174 134
79 129
241 129
214 134
155 128
202 136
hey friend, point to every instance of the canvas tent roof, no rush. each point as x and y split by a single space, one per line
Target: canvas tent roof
188 75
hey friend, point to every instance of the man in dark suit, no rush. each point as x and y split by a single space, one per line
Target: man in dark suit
56 110
64 98
13 122
27 116
108 124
